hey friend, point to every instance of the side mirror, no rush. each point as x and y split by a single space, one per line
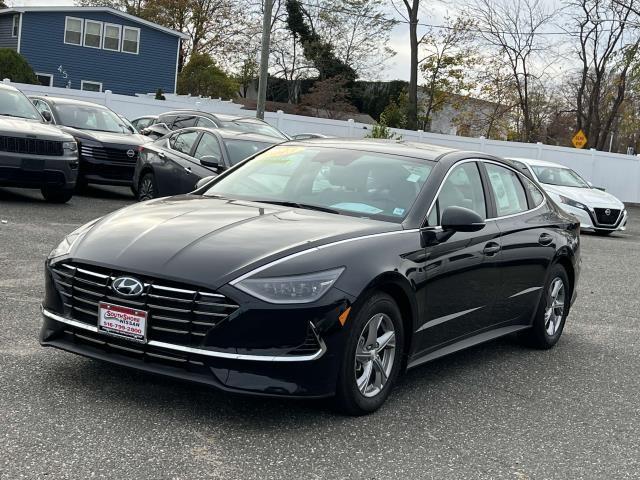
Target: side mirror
460 219
47 116
210 161
203 181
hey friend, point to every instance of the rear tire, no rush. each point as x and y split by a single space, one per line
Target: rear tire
552 311
147 188
372 358
56 195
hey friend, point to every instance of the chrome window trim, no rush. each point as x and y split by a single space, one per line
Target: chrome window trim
201 351
477 160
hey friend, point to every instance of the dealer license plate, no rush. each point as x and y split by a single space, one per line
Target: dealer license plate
122 321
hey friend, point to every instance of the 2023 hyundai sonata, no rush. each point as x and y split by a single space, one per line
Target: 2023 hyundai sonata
318 268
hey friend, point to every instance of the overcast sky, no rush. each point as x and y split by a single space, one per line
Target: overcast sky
397 68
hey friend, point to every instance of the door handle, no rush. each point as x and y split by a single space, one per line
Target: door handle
188 169
161 154
545 239
491 248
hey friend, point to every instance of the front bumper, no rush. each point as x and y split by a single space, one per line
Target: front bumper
588 220
38 171
259 349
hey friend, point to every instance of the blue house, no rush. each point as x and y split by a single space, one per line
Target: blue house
93 48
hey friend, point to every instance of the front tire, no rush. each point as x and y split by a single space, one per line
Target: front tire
56 195
552 311
372 358
147 188
603 233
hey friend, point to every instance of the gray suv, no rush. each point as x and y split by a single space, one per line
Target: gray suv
32 153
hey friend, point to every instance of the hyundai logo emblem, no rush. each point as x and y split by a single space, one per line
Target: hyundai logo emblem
607 212
127 286
130 153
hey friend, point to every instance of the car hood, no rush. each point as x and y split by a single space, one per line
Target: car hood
210 241
591 197
16 127
110 138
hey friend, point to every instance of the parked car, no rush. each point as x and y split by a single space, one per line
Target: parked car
108 149
597 210
178 119
174 164
140 123
33 154
316 269
309 136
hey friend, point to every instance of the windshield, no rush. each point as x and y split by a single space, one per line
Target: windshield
351 182
241 149
562 177
87 117
15 104
254 127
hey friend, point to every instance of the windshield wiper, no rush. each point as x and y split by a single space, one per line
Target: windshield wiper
300 205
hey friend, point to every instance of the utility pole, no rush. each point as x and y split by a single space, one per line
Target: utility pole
264 59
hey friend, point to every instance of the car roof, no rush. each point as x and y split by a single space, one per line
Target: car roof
424 151
238 118
67 101
187 111
228 134
540 163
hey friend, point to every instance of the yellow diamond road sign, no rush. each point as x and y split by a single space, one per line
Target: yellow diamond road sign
579 139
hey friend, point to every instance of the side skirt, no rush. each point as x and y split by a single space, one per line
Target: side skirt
466 343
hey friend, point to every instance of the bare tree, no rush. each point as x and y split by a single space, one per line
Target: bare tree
513 28
608 43
412 11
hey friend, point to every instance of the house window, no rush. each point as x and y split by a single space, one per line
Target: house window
92 34
16 25
131 40
73 31
45 79
90 86
111 37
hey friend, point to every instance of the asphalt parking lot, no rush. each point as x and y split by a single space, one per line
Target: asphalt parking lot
495 411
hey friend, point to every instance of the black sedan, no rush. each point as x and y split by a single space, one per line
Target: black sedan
175 163
108 147
163 124
318 268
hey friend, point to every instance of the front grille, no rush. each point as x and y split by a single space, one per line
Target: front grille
177 314
604 219
109 154
31 146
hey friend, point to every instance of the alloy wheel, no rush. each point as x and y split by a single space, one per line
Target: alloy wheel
146 189
555 307
375 354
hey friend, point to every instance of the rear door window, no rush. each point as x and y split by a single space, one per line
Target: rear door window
507 189
205 122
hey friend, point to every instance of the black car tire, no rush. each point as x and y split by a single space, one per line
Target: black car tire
349 399
147 187
603 233
81 184
538 336
56 195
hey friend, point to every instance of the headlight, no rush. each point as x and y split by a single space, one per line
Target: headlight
294 289
70 147
65 245
572 203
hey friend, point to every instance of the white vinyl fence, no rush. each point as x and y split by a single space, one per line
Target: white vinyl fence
618 174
